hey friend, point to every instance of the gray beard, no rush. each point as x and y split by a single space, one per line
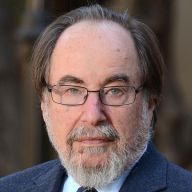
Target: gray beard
119 160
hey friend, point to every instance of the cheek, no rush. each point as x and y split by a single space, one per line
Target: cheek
125 121
62 121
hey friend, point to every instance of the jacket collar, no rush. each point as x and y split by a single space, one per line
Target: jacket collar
148 175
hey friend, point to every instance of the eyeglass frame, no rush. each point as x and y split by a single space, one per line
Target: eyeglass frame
136 91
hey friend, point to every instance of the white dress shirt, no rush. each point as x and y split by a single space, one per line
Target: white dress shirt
71 186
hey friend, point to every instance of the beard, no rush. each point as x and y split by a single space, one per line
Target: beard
121 156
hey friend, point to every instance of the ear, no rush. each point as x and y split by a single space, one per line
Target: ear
42 106
152 104
43 109
152 101
43 103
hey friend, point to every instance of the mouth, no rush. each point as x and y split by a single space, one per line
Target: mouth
94 141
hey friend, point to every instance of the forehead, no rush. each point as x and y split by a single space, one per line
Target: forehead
97 49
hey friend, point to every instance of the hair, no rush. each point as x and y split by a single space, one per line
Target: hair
150 59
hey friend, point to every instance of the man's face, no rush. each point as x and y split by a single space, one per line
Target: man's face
94 55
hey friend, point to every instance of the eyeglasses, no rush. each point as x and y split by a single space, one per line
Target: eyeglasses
76 95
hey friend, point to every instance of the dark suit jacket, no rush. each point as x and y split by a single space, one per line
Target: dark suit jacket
153 173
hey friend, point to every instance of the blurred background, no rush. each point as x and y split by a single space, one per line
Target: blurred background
23 139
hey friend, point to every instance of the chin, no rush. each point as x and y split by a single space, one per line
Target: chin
92 160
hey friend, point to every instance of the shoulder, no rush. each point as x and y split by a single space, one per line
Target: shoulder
178 178
154 172
22 179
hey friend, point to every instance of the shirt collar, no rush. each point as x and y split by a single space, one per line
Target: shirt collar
71 185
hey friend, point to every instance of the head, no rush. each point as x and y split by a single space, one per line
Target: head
93 47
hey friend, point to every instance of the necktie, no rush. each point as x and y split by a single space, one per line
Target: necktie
85 189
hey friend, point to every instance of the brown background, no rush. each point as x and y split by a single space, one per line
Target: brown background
23 140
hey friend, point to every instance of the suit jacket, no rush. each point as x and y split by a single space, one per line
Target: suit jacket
153 173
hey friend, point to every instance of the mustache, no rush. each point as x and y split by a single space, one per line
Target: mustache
106 131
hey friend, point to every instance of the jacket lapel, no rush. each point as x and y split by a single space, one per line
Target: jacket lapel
51 181
148 175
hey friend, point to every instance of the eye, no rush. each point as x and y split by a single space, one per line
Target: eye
115 91
73 91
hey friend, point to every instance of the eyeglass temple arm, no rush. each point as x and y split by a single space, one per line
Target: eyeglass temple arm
49 87
140 88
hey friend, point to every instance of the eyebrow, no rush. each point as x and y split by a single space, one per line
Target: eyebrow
114 78
117 77
70 79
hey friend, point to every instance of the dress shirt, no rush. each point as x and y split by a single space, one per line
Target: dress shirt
72 186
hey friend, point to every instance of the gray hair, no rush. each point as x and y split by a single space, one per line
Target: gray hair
150 59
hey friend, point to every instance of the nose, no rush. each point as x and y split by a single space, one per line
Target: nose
93 110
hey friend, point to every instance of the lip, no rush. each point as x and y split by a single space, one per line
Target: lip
94 140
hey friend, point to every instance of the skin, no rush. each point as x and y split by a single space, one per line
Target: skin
91 53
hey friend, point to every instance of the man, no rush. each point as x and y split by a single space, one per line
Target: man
99 77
